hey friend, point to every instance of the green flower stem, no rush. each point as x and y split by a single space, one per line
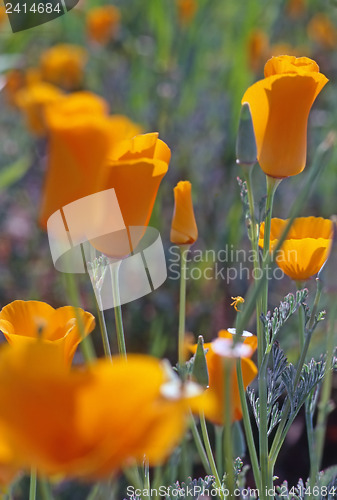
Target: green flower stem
45 489
301 326
114 269
266 471
103 329
199 445
285 424
323 406
184 249
133 476
219 447
228 445
248 427
32 487
86 346
210 454
308 415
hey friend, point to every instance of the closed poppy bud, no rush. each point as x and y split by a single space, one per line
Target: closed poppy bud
280 106
103 23
186 10
63 65
184 229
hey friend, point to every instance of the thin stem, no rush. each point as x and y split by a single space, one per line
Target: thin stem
199 445
219 447
266 471
114 269
210 454
32 487
324 406
284 425
248 427
182 304
103 328
86 346
228 448
45 489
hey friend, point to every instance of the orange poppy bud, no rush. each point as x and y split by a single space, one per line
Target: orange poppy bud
63 65
103 23
280 106
184 229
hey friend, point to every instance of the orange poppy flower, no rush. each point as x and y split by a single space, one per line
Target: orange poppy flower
92 421
280 106
103 23
216 373
22 322
184 229
323 31
306 247
32 100
134 168
63 65
81 137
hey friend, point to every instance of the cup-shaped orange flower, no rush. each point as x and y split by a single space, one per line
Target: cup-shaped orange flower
216 365
89 422
63 65
32 100
103 23
134 168
306 247
81 136
25 321
280 106
184 229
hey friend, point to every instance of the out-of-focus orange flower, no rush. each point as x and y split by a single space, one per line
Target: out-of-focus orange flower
32 100
79 142
216 372
23 322
103 23
280 106
3 15
257 48
92 421
122 128
296 8
306 247
322 31
184 229
14 81
81 159
186 10
63 65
